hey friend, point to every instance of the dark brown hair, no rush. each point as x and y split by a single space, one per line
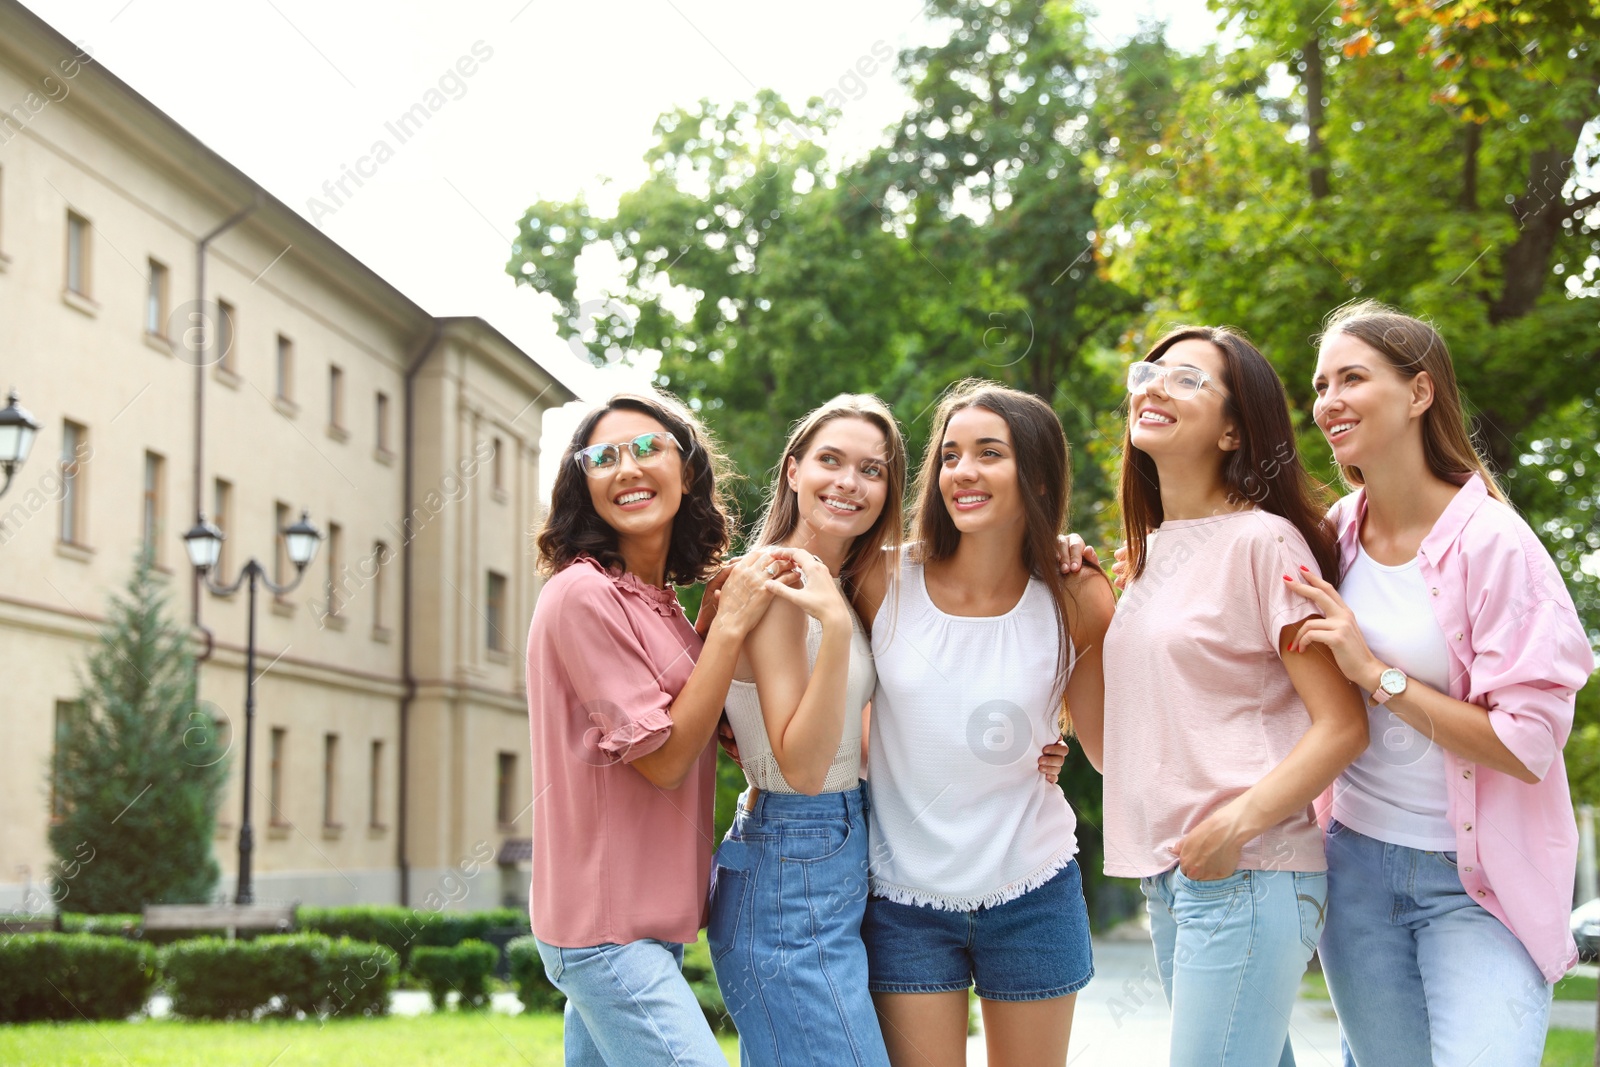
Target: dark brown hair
1043 463
700 530
1411 346
783 509
1265 469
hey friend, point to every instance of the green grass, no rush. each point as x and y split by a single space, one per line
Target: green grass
393 1042
1313 986
1568 1048
1578 987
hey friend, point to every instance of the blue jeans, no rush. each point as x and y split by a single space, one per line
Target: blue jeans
785 932
1419 972
1231 953
629 1006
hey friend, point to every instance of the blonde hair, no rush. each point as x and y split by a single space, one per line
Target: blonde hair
1411 346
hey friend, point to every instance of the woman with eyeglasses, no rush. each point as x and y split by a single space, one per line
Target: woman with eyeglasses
790 882
1216 735
623 698
1451 840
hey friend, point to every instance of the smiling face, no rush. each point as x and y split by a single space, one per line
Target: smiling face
1160 425
842 481
637 502
978 472
1364 406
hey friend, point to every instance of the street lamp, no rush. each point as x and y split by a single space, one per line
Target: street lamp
204 543
17 430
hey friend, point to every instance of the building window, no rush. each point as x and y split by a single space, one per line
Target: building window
280 739
335 561
285 377
280 557
154 479
375 793
380 556
335 396
155 301
505 788
74 453
496 612
69 716
330 780
227 315
222 518
383 422
78 250
499 468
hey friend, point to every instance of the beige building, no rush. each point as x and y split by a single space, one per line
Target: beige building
391 741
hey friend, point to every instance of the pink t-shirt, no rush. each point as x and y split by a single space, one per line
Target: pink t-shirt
615 858
1198 705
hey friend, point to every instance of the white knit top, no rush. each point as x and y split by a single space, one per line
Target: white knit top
750 728
960 817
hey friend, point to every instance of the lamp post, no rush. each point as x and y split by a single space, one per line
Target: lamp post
17 430
204 543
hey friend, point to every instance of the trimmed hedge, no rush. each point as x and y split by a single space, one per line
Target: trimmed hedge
404 929
73 976
464 968
534 987
116 925
211 978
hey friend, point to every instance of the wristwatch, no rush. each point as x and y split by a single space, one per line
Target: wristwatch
1391 683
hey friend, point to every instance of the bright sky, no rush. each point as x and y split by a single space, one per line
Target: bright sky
561 99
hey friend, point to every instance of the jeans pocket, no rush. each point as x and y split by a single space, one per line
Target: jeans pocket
1448 859
1211 887
1311 894
728 887
812 844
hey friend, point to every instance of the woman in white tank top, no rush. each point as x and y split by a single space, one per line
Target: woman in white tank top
977 637
791 877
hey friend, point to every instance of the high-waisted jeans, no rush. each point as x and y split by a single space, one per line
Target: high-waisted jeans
786 903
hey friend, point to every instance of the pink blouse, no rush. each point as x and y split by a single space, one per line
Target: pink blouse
615 858
1518 650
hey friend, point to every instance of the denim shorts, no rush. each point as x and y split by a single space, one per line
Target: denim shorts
1032 948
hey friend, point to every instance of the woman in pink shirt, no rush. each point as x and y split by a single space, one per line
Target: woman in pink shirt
622 700
1215 738
1451 842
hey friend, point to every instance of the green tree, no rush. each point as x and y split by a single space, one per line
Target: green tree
136 779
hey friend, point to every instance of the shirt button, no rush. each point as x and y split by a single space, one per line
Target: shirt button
1467 869
1460 636
1466 774
1467 827
1436 591
1483 892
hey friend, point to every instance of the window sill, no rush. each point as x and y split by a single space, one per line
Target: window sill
508 829
338 433
161 344
283 607
5 262
278 830
384 456
382 634
377 830
332 831
226 376
335 622
497 655
79 302
81 553
286 407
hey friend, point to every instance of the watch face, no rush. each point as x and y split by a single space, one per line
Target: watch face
1393 681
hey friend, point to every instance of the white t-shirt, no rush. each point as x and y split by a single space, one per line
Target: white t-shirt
1395 791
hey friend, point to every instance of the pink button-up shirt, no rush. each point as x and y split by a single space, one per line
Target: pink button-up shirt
615 858
1517 649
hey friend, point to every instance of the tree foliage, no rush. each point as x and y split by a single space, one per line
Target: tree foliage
136 778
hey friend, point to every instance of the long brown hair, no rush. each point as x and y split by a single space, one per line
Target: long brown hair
1043 461
1265 469
701 529
783 507
1411 346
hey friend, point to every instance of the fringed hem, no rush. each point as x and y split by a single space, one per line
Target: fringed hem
922 898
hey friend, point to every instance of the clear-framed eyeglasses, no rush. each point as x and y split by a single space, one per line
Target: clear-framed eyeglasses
1181 383
648 449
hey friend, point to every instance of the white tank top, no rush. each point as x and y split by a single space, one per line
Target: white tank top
750 728
960 816
1395 791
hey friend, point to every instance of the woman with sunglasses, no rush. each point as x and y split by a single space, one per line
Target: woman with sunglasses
1216 737
623 699
791 876
1451 841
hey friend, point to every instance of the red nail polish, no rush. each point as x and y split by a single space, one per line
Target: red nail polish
1305 568
1287 578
